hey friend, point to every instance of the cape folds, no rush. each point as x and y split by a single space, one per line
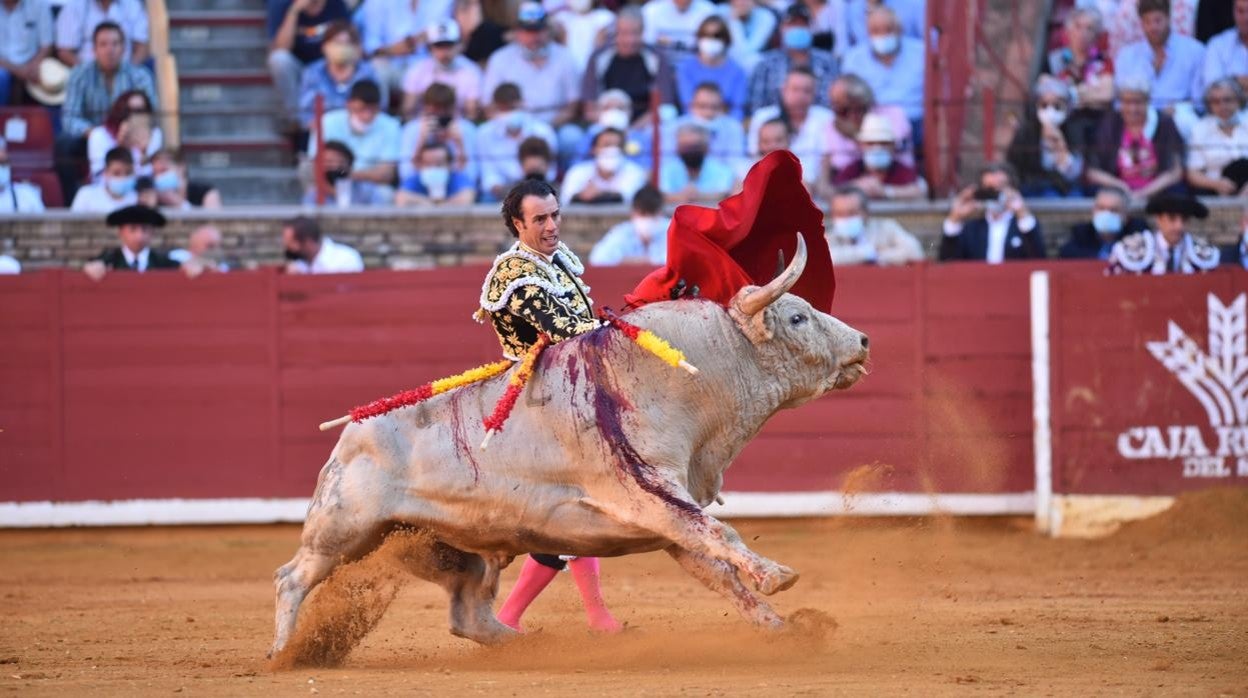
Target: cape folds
722 250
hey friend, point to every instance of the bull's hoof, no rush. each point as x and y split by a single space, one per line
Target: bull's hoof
777 580
495 633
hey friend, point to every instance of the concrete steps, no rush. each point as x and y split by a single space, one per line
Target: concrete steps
230 110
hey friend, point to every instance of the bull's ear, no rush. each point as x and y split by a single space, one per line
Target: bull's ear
753 326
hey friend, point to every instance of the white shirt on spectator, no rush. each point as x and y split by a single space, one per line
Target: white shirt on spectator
78 19
142 258
899 84
377 144
100 141
545 88
1225 57
94 198
809 144
626 181
9 265
623 243
384 23
24 30
21 197
663 20
334 258
1209 150
498 150
580 31
998 231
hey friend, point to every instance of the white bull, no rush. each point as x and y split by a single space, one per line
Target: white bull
610 452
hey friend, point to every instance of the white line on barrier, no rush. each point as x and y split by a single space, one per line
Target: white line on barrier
1042 437
148 512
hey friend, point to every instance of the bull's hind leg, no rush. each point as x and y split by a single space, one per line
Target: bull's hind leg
721 577
470 580
334 533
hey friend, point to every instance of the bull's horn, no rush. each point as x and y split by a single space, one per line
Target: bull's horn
763 296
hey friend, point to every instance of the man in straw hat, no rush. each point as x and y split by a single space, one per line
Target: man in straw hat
1168 248
134 231
26 38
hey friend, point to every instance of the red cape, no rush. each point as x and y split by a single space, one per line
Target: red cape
722 250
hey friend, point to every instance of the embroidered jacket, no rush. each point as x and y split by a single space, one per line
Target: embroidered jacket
1147 252
524 294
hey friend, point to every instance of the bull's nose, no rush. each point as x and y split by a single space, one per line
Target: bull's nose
865 342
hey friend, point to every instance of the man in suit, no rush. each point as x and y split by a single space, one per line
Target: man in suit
991 222
1110 223
134 230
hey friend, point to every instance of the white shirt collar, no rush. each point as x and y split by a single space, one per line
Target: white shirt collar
143 257
998 231
549 258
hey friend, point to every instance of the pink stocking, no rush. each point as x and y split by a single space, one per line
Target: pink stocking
534 576
585 574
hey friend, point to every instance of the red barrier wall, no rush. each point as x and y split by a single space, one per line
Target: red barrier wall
157 386
1123 422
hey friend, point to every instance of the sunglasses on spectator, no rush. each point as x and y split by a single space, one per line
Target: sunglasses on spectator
721 36
1052 104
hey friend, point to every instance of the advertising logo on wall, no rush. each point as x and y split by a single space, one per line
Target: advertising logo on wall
1218 379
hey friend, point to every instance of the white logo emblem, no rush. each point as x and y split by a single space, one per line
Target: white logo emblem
1219 381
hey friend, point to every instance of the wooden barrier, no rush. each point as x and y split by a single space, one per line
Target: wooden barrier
201 397
1149 394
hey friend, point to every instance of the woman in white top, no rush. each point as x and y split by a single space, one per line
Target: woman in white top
1217 152
128 124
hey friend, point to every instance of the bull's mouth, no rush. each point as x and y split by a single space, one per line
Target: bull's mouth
850 373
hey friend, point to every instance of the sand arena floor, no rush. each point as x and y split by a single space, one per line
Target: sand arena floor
923 607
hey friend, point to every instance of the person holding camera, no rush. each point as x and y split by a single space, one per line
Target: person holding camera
338 178
129 124
991 222
372 136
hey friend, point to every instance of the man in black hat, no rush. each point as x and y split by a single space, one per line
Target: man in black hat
134 230
1168 248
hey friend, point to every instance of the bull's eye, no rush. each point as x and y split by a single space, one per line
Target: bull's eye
797 319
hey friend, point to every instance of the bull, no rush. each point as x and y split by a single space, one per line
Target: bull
609 453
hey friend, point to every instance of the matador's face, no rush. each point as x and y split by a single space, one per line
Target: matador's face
539 223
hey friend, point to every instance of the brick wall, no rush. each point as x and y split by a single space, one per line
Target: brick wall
407 239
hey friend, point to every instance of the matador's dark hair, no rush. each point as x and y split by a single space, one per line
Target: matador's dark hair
511 204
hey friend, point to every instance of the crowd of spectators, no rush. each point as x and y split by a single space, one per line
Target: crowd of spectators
428 103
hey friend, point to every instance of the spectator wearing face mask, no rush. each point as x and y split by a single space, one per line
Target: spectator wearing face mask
672 25
499 138
608 178
694 175
173 188
808 122
296 30
878 173
795 52
706 109
128 124
892 64
583 29
711 64
535 158
334 75
851 100
114 189
308 251
751 28
444 65
342 189
16 197
614 109
440 122
435 182
642 239
1217 152
991 222
1047 150
852 29
856 237
1094 239
373 137
551 81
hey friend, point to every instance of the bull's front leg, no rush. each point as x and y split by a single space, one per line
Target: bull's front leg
674 516
721 577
